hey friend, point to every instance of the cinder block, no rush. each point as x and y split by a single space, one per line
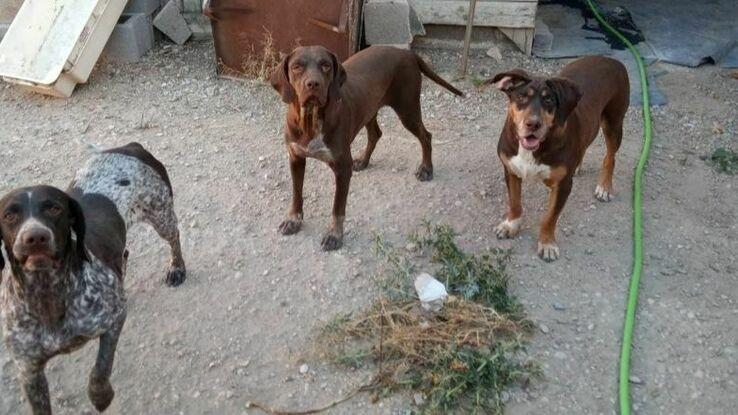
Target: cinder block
387 22
416 25
3 29
190 6
132 37
171 23
147 7
543 38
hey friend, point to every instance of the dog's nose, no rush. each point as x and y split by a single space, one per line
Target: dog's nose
533 124
312 84
35 238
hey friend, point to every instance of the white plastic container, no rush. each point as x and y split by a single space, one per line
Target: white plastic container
52 45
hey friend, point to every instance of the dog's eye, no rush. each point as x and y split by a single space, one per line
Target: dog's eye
548 100
54 210
326 66
10 217
296 68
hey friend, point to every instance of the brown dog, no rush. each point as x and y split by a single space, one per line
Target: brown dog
330 103
550 124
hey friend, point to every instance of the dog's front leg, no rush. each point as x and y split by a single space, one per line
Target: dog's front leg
99 389
333 239
293 221
548 250
510 226
35 387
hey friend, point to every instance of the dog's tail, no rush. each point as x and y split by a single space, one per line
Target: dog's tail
427 71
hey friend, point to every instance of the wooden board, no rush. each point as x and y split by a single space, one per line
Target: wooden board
523 38
497 13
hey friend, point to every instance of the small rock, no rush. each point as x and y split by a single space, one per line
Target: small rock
411 247
304 368
419 399
558 306
635 380
544 328
560 355
494 53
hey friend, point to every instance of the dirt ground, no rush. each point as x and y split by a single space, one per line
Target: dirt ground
243 323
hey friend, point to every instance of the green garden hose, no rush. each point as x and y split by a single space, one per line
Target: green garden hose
624 389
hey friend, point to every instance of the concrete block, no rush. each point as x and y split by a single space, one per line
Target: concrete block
416 25
132 37
200 26
3 29
543 38
171 23
191 6
147 7
387 22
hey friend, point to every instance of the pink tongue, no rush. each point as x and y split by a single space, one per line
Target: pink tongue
530 143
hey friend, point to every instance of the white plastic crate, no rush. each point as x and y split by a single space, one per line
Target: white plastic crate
52 45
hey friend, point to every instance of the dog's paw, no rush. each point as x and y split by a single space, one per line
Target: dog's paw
424 173
507 228
290 226
176 276
548 252
101 394
602 194
331 242
360 164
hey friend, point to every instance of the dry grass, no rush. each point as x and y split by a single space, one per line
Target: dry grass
258 63
461 358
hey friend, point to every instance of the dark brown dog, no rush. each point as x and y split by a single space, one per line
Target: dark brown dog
330 103
550 124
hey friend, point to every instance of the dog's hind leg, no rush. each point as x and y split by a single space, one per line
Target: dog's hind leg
99 390
373 133
169 231
411 117
158 211
612 129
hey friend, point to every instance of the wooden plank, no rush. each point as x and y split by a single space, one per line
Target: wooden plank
523 38
498 13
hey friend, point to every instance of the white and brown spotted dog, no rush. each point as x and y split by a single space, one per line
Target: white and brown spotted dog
67 259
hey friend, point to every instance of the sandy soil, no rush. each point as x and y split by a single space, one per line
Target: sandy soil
242 324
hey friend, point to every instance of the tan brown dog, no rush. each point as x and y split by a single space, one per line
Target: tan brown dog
550 124
329 103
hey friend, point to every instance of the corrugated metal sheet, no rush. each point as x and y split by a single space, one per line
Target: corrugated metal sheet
243 28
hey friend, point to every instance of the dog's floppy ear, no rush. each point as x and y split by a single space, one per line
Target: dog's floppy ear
339 77
508 81
77 221
280 81
567 97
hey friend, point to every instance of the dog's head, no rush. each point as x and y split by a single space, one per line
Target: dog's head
37 224
310 76
536 105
